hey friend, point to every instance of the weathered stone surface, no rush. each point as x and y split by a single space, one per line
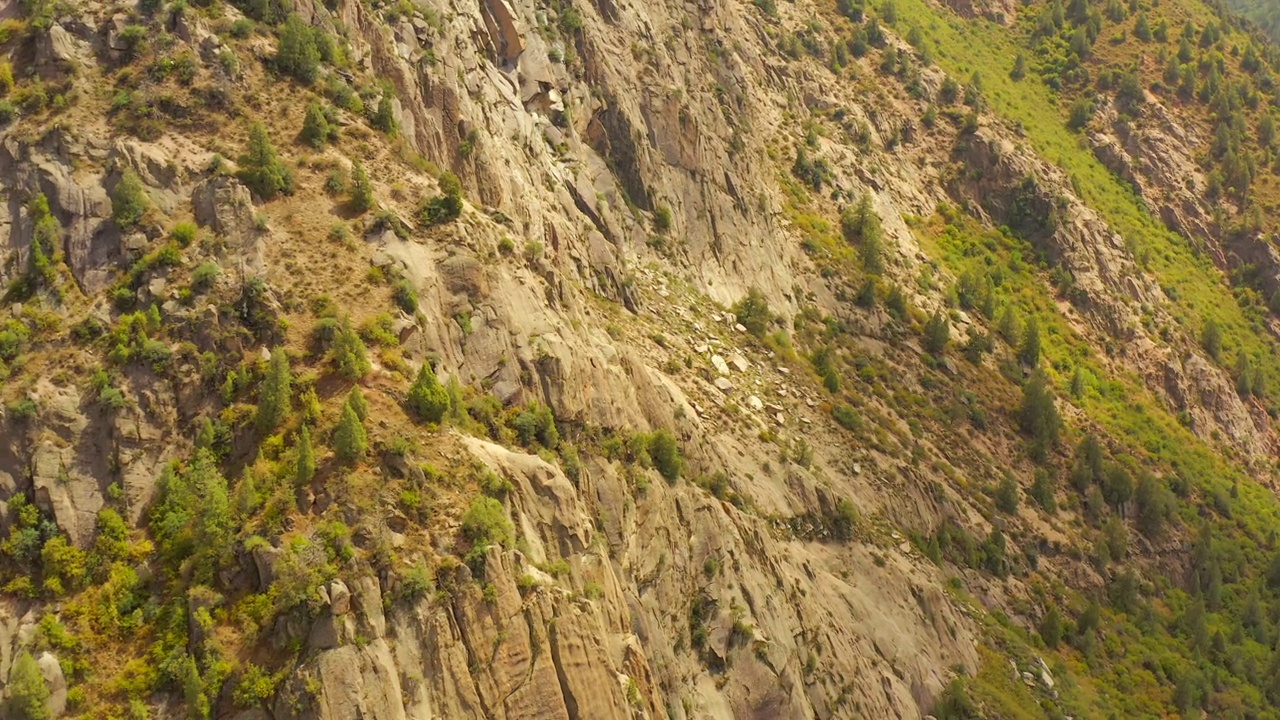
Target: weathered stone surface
51 670
225 206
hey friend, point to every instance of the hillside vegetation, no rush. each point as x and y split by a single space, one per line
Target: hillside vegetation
866 359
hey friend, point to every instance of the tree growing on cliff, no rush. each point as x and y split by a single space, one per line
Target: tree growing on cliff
306 467
128 200
361 189
261 169
427 397
275 393
937 333
350 440
27 690
1038 417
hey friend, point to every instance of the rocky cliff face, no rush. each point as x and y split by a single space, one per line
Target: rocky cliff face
627 169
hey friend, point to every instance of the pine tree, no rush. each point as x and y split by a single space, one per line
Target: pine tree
1266 130
1211 339
28 693
1154 503
1038 416
275 395
1087 470
358 403
1244 375
361 189
1029 352
297 53
348 353
384 119
1042 491
261 168
128 200
306 469
349 438
861 228
193 688
315 127
937 333
427 397
1141 29
1019 67
1051 627
245 498
1009 327
1006 495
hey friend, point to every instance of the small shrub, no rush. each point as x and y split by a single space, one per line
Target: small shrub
184 233
203 277
241 28
665 454
447 206
485 522
662 219
129 200
405 296
752 312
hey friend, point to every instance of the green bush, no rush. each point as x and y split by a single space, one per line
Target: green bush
203 276
752 312
447 206
662 219
128 200
536 424
665 454
847 416
28 693
241 28
844 521
184 233
405 296
255 688
485 522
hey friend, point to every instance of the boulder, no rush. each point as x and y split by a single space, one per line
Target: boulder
53 677
224 205
339 598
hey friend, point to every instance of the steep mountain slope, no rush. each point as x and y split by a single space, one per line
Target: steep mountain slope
619 360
